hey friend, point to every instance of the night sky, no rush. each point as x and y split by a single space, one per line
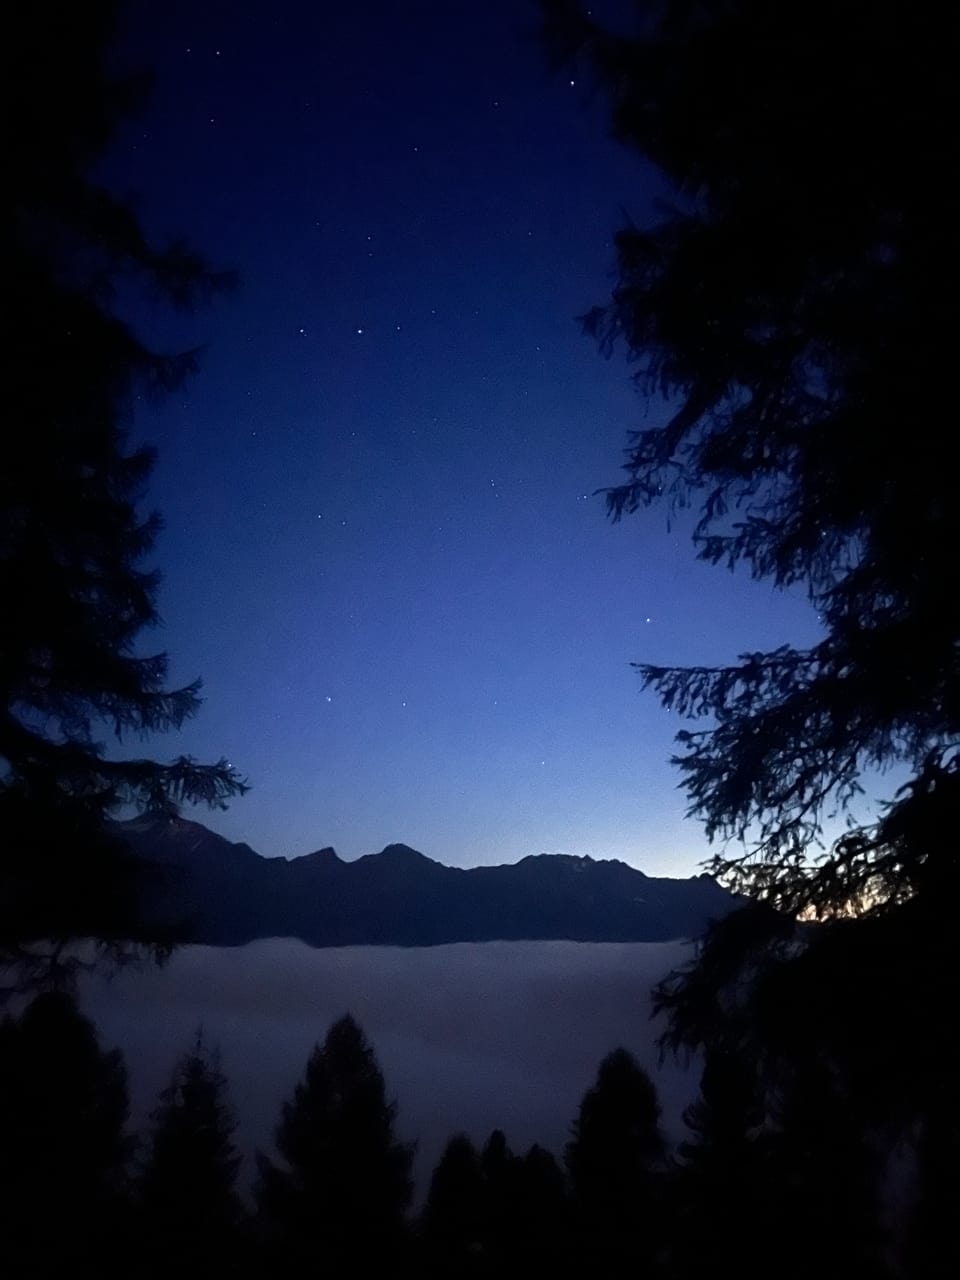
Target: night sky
383 552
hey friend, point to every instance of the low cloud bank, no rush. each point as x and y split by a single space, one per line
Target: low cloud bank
471 1037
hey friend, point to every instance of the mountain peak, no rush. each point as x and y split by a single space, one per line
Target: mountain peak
401 853
171 837
579 862
400 897
326 854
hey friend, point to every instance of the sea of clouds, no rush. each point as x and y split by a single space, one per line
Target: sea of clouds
470 1037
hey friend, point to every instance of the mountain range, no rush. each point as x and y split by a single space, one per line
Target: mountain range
226 894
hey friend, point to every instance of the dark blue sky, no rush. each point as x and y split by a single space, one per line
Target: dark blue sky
382 551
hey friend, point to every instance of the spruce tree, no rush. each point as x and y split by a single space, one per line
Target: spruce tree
452 1226
77 596
616 1163
64 1149
541 1232
338 1196
495 1213
499 1165
722 1167
190 1212
791 304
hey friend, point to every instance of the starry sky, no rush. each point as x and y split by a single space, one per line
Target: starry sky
383 549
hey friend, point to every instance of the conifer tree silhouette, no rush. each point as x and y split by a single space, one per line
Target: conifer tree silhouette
791 303
616 1163
722 1168
189 1209
339 1193
64 1149
77 597
452 1227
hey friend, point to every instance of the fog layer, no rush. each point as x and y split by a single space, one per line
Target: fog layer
470 1037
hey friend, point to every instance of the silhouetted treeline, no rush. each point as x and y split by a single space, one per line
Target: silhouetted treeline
789 301
759 1185
78 587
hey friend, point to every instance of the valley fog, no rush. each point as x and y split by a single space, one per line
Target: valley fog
470 1037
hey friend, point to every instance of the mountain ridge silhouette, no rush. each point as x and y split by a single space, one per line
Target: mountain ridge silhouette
224 893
